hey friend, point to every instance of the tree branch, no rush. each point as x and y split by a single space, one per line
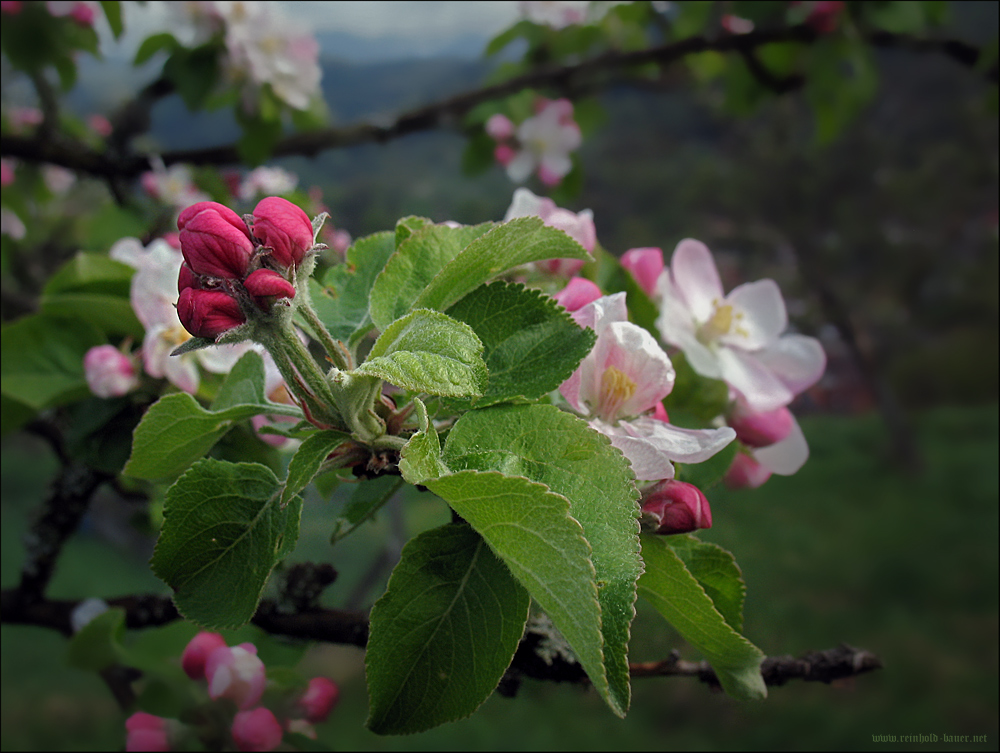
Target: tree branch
448 111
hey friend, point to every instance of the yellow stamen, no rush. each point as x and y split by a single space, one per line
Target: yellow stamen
616 388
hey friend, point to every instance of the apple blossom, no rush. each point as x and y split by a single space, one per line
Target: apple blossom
553 13
208 313
578 226
11 225
256 730
620 381
759 428
173 186
85 612
11 7
237 674
100 125
197 651
645 265
499 127
266 180
285 229
578 292
737 338
109 372
81 11
6 172
745 473
145 732
545 142
676 507
319 699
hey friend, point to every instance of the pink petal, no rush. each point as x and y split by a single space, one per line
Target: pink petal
696 278
645 264
763 315
786 456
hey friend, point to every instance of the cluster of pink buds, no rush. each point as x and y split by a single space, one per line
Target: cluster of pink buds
235 673
234 268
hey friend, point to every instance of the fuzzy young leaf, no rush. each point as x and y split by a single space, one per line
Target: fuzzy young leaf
423 251
308 460
223 531
341 302
554 448
531 344
520 241
177 430
443 633
366 499
531 530
420 459
428 351
676 594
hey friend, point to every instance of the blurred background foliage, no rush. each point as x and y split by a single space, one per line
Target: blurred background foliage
888 232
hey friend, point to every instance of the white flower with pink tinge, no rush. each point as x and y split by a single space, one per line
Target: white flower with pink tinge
620 383
546 141
737 337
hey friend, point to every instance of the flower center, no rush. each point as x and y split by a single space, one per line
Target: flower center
176 335
616 388
720 323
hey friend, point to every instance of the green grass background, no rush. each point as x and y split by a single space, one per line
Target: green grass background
847 550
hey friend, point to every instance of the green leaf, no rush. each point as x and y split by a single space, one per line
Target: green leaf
193 72
111 314
223 531
98 645
423 250
675 593
308 460
531 530
428 351
177 430
341 302
366 499
93 273
153 44
443 633
113 12
717 572
557 449
107 225
420 458
93 287
42 360
531 345
259 138
520 241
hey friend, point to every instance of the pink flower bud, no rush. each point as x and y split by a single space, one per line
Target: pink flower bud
256 730
284 228
145 732
579 291
197 651
187 279
504 154
319 699
100 125
208 313
266 285
499 127
6 172
223 211
760 429
645 264
745 473
677 507
11 7
561 267
237 674
213 246
109 372
825 15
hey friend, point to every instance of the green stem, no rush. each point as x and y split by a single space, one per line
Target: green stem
335 349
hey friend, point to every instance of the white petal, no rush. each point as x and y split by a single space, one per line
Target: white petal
633 351
696 278
761 315
525 204
519 168
787 456
797 360
759 387
650 444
